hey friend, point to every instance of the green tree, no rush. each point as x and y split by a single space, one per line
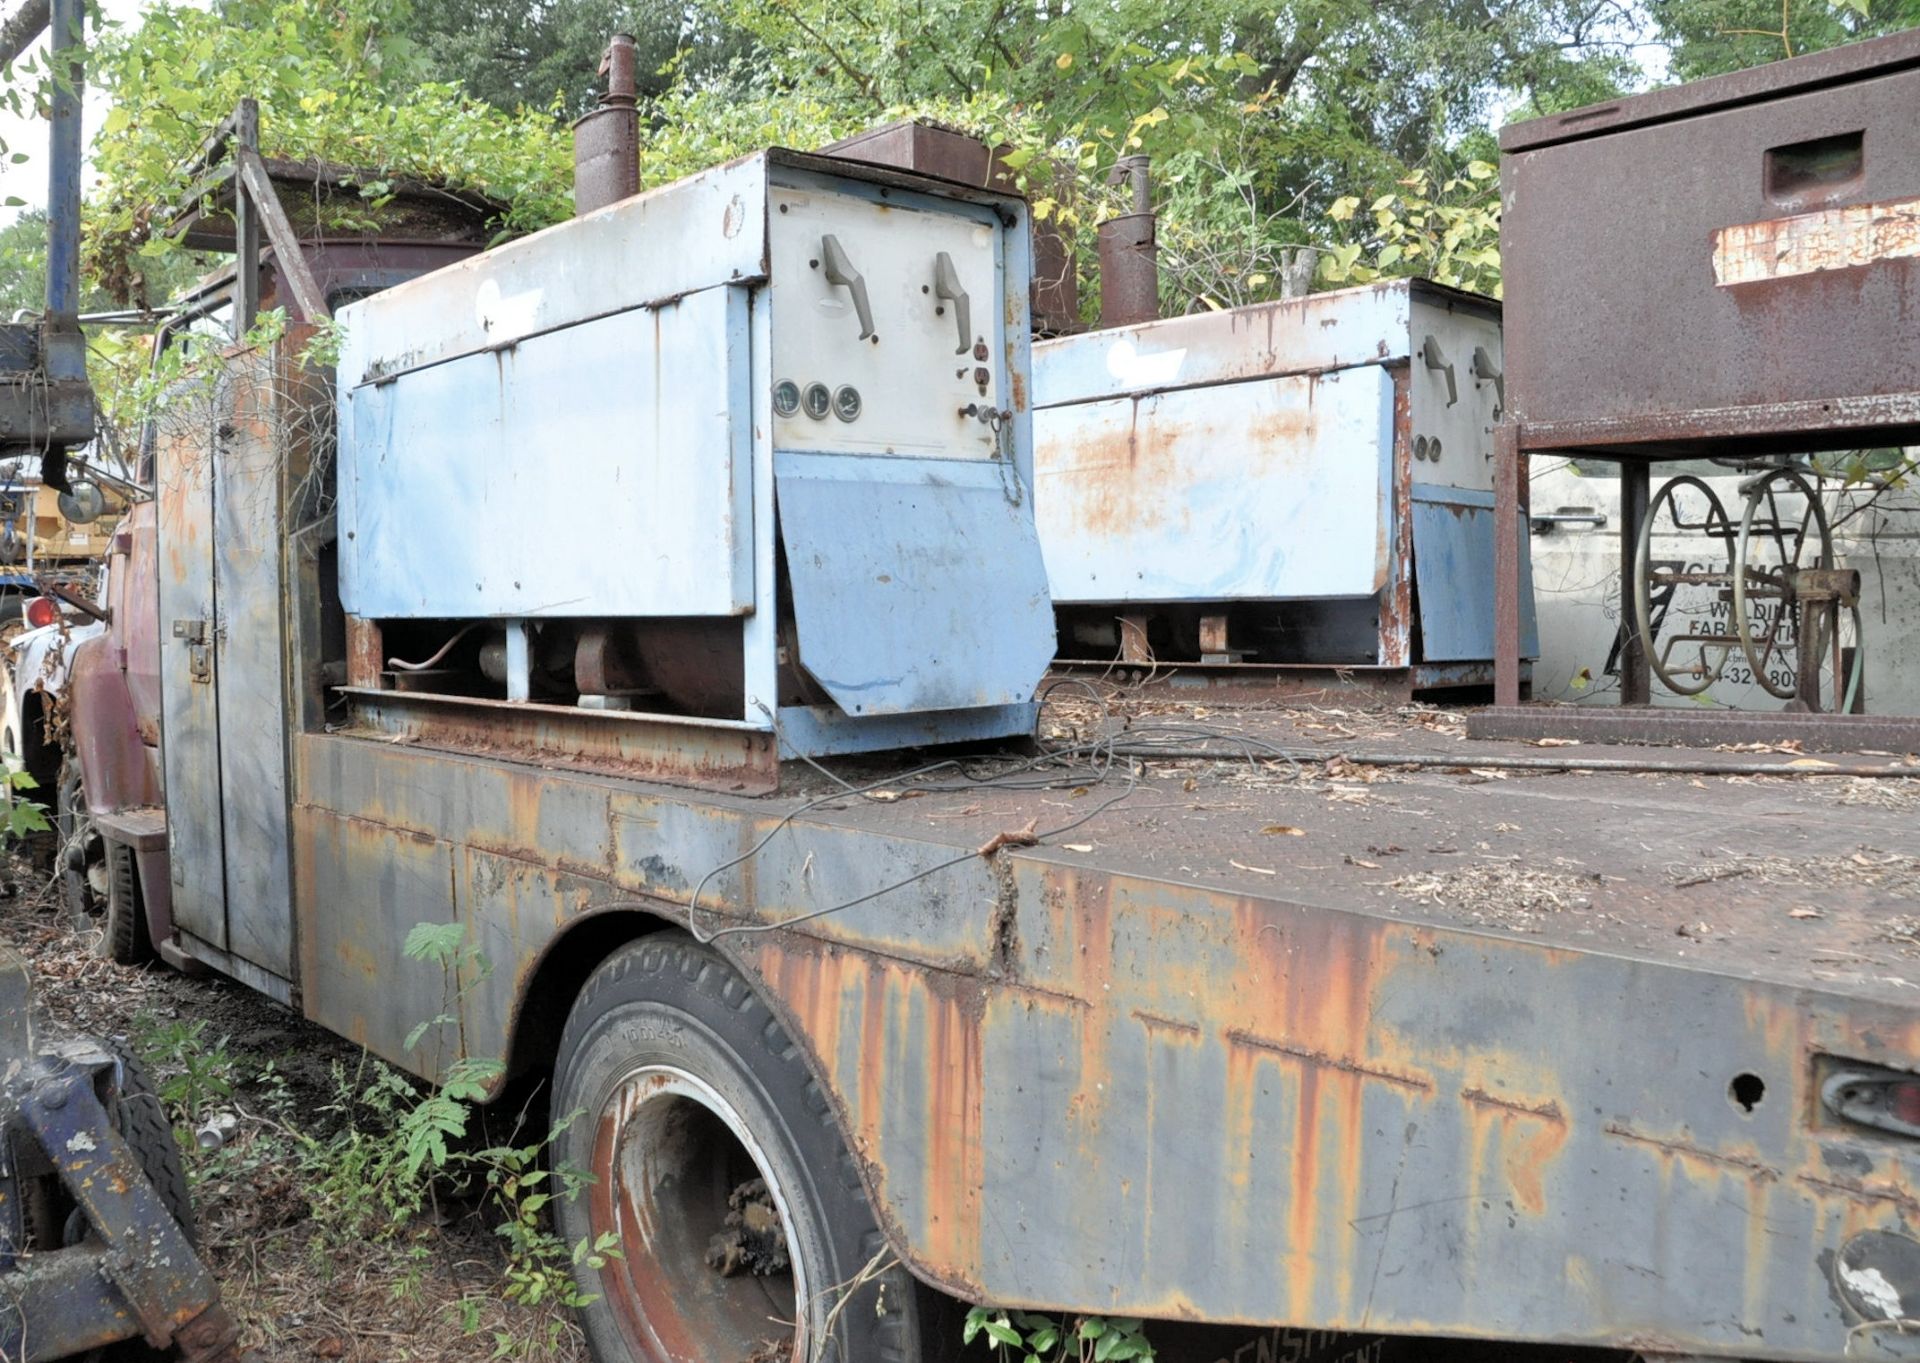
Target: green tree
1258 115
1709 37
23 263
543 55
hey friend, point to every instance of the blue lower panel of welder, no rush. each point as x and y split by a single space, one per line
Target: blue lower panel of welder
1453 575
822 731
917 583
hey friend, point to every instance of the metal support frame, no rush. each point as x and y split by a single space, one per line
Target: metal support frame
1636 669
1512 447
257 209
1509 477
50 408
246 228
519 663
68 44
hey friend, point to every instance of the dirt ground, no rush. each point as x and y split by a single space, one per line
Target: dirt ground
301 1289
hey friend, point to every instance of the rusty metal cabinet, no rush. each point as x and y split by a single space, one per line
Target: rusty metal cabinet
1737 259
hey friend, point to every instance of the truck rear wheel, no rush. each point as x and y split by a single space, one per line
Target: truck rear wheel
743 1232
82 854
125 938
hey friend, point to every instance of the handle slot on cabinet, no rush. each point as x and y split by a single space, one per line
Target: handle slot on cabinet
840 271
1823 168
946 286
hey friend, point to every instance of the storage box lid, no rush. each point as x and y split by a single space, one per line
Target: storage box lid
1835 66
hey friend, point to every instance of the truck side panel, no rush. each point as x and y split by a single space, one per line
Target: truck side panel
1079 1088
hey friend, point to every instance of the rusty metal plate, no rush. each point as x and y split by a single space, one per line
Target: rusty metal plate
1269 489
1184 1067
716 754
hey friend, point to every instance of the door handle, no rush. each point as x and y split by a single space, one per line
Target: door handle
840 271
946 285
1436 359
1483 369
1546 520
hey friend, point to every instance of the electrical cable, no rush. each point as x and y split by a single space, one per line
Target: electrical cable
1030 768
744 929
402 665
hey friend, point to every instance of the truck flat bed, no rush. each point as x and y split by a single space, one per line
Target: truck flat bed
1772 868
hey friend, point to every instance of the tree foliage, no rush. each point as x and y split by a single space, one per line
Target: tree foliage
514 54
1451 234
1710 37
1269 121
23 263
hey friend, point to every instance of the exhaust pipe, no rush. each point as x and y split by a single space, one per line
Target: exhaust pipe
1129 256
606 142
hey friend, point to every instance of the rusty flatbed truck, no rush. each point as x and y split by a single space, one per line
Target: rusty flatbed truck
1114 1027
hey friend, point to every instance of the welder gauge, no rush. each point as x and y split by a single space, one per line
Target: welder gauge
846 402
786 397
817 401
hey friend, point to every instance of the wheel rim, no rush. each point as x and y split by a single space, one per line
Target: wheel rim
1757 580
668 1155
1696 678
1832 650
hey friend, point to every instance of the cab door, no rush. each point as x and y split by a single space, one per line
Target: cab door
220 482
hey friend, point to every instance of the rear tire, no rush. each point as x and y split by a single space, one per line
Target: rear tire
125 939
687 1092
81 853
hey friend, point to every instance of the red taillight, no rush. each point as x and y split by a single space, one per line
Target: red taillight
42 611
1872 1095
1903 1103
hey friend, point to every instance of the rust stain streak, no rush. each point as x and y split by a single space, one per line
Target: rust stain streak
1547 1112
1040 991
1531 1135
1740 1163
1321 1060
1863 1192
1153 1022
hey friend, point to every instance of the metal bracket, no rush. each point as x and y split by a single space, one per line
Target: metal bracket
135 1265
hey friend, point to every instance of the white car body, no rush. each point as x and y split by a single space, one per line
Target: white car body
34 675
1576 576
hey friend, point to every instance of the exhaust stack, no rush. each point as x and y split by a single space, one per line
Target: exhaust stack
1129 257
606 142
